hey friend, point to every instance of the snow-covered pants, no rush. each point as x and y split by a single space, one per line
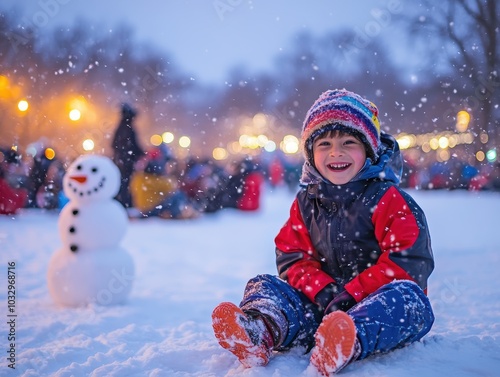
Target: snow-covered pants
396 315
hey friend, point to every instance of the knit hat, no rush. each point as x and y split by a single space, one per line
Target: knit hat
346 111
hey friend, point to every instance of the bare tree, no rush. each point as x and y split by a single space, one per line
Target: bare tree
467 33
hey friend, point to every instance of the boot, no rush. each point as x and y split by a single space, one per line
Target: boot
336 343
247 337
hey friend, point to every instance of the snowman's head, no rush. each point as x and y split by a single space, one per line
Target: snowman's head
91 177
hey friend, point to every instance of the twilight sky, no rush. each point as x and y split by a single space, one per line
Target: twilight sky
206 38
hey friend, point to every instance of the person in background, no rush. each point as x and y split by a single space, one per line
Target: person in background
37 175
488 178
353 257
126 152
203 181
248 180
213 188
243 186
155 189
12 196
49 193
276 172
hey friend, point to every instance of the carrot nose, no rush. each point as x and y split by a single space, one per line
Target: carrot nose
79 178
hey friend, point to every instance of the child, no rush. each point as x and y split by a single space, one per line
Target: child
353 257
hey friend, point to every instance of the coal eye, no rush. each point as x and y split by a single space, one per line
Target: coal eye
94 170
79 167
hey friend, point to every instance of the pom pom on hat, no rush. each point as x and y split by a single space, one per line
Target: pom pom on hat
343 110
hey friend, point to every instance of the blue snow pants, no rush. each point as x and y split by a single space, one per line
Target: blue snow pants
397 314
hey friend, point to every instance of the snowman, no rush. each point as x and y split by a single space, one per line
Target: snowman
91 267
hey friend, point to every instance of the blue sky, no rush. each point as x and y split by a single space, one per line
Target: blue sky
208 37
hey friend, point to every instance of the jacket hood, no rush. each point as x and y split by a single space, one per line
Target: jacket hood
388 166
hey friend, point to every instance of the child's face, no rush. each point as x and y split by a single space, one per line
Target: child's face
338 157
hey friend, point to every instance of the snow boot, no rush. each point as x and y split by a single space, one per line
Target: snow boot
247 337
336 343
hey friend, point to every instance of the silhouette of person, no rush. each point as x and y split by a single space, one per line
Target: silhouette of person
126 152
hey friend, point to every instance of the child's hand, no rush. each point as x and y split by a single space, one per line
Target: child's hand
343 301
325 296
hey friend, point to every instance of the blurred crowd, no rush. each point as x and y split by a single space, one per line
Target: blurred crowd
168 187
29 181
160 184
452 175
155 183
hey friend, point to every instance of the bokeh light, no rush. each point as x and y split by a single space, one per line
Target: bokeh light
219 153
167 137
270 146
463 119
480 156
50 153
75 115
491 155
88 145
23 105
290 144
184 141
156 140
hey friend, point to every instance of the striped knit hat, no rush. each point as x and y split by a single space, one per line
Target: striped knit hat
346 111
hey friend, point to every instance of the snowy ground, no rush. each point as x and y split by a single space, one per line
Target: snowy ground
185 268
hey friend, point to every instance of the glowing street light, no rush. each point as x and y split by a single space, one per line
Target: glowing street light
77 106
75 115
23 105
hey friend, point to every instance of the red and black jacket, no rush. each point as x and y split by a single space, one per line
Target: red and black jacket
358 236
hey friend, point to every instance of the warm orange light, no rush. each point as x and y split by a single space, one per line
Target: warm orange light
463 119
50 153
5 91
75 115
22 105
156 140
219 153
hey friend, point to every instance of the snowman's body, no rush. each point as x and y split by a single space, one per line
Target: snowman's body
95 225
91 267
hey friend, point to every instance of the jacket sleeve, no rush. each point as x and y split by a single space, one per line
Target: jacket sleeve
296 259
402 233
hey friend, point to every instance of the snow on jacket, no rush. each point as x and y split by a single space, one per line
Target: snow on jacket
358 236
